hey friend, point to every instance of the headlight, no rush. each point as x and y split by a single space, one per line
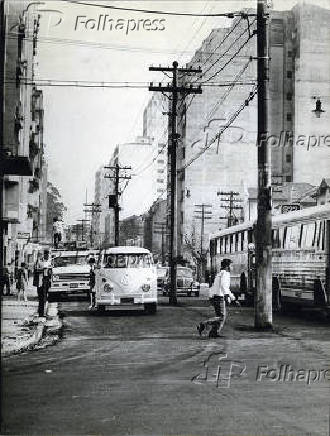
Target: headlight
108 287
56 278
145 288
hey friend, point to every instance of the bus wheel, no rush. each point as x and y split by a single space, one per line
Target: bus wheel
150 308
243 289
101 308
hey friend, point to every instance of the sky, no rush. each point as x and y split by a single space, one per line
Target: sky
83 125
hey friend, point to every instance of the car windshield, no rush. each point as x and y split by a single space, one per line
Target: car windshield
69 260
161 272
128 261
184 272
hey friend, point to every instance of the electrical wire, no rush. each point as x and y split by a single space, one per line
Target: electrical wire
148 11
218 135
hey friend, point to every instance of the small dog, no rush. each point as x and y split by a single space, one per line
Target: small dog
210 326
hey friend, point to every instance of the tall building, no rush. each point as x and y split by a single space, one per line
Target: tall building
102 227
207 164
155 127
24 201
311 56
137 194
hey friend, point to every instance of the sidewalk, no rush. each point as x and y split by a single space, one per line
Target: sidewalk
21 327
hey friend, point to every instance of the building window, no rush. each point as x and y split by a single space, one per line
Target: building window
160 171
160 190
160 161
288 158
288 178
290 53
289 74
289 96
160 180
289 116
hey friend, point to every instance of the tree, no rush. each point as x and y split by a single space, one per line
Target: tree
55 207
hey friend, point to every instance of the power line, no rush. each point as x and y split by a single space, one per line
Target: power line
149 11
218 135
230 59
94 44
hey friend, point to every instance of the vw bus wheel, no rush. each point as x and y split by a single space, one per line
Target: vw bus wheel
150 308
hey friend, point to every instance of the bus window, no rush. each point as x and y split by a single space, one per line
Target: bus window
285 231
217 246
274 233
292 237
310 235
319 229
300 236
323 236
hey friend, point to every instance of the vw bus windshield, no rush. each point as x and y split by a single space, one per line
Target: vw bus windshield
128 261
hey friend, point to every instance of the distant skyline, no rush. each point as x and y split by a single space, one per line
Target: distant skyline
83 125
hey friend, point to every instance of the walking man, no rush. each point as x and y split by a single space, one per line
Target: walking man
219 294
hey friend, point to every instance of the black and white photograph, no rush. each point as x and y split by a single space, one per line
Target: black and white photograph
165 217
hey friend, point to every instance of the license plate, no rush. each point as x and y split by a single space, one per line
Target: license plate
127 300
73 285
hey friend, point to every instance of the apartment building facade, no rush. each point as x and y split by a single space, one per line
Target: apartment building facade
25 170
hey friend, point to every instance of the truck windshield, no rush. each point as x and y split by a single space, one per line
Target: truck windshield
184 272
128 261
69 260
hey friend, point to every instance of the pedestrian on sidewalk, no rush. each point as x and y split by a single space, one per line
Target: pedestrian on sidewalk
42 279
220 295
21 282
6 285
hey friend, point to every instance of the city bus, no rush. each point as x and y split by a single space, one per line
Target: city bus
300 258
126 276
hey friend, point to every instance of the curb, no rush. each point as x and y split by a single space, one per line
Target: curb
51 325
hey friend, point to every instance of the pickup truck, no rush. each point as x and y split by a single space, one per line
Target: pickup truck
70 274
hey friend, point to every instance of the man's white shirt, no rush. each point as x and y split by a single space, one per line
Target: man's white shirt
221 285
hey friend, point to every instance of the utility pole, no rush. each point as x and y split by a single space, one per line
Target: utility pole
263 298
114 198
2 153
174 89
202 214
83 221
93 209
231 207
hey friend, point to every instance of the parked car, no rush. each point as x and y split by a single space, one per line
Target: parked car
185 283
162 277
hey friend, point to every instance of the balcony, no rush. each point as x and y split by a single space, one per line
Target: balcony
34 185
16 165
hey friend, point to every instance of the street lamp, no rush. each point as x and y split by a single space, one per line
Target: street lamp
318 108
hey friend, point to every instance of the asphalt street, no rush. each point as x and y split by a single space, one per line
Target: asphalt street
127 373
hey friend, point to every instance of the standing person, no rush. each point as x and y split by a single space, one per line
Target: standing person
220 294
57 232
6 281
92 289
21 282
41 279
